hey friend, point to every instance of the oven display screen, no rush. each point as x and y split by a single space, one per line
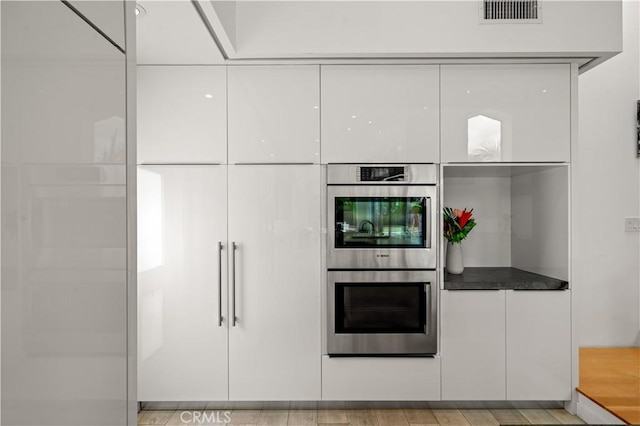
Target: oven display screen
375 174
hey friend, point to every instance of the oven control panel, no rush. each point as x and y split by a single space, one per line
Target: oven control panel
381 174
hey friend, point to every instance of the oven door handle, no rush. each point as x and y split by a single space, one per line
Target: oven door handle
427 320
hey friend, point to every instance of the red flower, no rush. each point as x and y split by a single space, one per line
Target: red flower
464 217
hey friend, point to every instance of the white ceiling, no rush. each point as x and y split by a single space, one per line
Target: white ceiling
171 32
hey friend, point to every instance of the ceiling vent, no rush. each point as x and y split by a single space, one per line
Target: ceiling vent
510 11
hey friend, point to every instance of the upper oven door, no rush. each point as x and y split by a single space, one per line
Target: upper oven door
382 227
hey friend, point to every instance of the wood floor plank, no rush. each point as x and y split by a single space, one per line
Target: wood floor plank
303 417
182 417
245 416
391 417
564 417
362 417
538 416
420 416
154 417
451 417
273 417
508 416
480 417
332 416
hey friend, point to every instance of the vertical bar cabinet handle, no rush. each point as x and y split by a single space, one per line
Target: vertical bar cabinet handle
234 247
220 247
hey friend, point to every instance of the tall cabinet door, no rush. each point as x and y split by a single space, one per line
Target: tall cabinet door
182 347
274 220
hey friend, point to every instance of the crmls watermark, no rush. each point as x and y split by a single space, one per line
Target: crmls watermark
205 417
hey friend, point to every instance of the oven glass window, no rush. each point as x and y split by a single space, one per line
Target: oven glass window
393 222
380 308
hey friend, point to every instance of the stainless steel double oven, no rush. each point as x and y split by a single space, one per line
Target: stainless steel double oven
381 259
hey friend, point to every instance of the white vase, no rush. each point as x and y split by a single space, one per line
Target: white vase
455 265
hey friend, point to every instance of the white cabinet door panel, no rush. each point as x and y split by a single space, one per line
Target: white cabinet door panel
274 114
539 345
380 113
473 345
182 350
380 379
182 114
274 218
505 113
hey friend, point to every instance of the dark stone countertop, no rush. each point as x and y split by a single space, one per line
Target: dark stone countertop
494 278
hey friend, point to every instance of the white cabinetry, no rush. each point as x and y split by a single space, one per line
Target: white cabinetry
182 349
513 345
380 379
274 114
539 345
275 343
505 113
182 114
472 345
108 16
380 113
272 286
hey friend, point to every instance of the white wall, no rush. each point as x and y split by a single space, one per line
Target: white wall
606 188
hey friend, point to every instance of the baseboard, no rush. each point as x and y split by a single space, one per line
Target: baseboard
592 413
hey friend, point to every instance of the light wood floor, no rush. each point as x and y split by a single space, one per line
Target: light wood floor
381 417
611 378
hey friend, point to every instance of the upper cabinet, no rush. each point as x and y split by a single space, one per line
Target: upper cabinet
380 113
182 115
511 113
274 114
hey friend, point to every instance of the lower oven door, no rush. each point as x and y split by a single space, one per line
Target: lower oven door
382 313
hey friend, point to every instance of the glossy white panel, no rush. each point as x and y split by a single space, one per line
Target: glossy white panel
62 74
380 113
540 219
274 114
489 244
505 113
274 348
182 349
539 345
64 227
182 114
472 345
106 15
380 379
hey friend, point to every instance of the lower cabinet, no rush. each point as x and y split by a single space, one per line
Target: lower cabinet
506 345
380 379
473 345
539 345
190 287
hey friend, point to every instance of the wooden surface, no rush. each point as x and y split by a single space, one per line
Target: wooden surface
611 378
